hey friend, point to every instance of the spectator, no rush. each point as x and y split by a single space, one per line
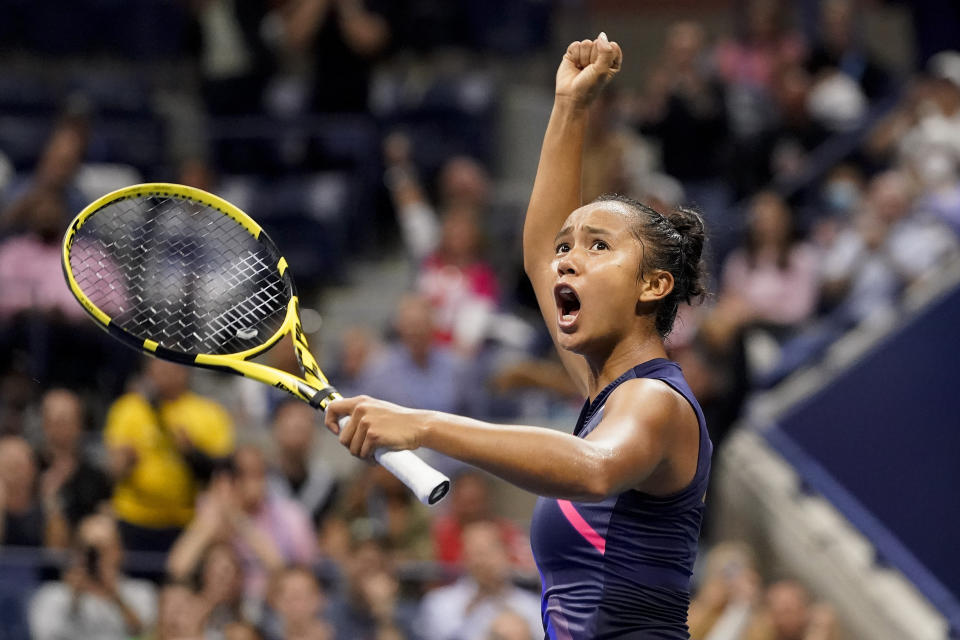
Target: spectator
467 608
772 280
95 599
728 596
163 443
794 132
940 199
69 479
30 272
56 172
299 475
359 350
234 59
469 502
40 317
202 556
789 615
748 66
683 109
884 250
615 159
459 284
928 117
368 605
338 35
376 504
282 521
178 616
266 530
298 600
838 48
415 371
26 521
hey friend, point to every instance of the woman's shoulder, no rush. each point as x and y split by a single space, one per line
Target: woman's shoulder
653 400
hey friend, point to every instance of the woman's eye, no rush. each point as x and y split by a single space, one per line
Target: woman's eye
600 245
563 247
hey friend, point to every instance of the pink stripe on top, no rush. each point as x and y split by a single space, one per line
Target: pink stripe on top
583 528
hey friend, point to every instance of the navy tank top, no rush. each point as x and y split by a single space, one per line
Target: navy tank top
621 568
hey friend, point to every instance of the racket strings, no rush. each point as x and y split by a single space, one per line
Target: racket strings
180 273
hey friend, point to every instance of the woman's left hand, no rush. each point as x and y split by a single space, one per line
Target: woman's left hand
374 424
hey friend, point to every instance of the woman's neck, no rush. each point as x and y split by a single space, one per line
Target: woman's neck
624 355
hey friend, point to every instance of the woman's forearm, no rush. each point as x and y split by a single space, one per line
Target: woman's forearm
543 461
556 189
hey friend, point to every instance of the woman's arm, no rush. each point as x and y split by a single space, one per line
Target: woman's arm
625 449
586 67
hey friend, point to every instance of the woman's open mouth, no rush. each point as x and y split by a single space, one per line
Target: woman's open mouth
568 306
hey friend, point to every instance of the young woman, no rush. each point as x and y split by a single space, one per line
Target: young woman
615 533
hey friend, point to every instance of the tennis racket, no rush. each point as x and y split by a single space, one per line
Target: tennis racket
186 276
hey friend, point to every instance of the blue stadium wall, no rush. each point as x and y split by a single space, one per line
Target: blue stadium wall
882 443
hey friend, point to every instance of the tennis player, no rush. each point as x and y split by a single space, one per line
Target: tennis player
615 531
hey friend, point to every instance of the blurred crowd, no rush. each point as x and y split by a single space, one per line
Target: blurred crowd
830 183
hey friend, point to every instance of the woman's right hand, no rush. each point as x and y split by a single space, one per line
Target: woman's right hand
587 66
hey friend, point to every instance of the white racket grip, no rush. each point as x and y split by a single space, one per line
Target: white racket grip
428 484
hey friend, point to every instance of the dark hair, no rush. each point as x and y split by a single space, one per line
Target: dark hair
751 245
673 242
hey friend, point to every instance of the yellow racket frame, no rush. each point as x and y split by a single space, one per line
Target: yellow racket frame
313 387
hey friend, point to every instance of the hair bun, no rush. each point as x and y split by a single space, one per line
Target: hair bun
689 224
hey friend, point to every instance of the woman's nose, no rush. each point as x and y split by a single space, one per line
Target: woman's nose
566 264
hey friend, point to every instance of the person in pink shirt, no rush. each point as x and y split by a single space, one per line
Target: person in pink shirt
31 278
772 279
267 531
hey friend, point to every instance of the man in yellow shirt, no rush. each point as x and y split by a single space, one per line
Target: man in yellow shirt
163 443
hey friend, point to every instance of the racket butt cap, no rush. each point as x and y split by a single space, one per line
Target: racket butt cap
439 492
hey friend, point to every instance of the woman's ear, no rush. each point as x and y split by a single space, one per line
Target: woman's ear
656 287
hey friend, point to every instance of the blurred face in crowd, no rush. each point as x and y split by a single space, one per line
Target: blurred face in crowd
222 572
791 88
889 197
297 597
250 478
836 20
485 556
177 615
18 469
464 182
769 220
62 156
788 605
62 419
684 43
357 343
293 429
167 379
48 215
414 325
470 499
100 532
763 19
460 236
